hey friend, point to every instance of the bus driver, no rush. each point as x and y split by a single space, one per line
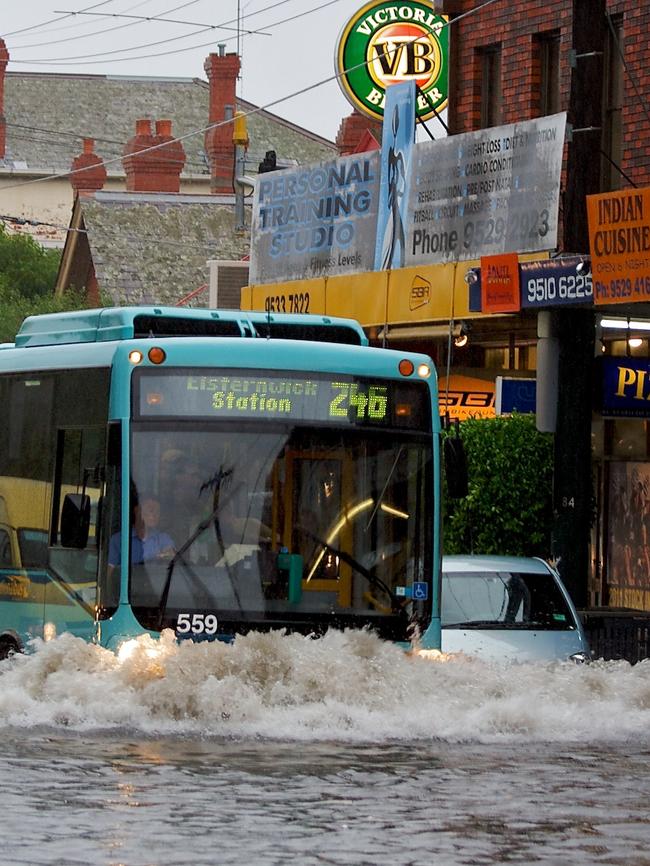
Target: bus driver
147 541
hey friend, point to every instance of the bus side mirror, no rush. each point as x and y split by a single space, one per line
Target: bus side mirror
455 467
75 520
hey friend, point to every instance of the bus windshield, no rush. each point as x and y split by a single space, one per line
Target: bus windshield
269 523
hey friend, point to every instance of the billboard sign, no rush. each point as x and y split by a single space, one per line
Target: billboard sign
388 43
316 220
463 397
619 239
487 192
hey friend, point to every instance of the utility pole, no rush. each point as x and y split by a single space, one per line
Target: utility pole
575 328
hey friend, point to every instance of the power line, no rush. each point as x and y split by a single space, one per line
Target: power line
152 240
113 144
53 20
224 25
201 24
104 54
138 19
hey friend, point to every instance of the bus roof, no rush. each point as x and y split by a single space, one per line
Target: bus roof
125 323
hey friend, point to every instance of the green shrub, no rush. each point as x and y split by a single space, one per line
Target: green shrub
508 509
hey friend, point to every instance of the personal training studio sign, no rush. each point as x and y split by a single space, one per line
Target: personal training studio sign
483 193
388 43
316 220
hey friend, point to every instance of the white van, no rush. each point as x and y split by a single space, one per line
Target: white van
508 608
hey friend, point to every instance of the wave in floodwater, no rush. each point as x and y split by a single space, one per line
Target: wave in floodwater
345 686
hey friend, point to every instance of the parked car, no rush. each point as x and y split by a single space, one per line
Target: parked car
508 608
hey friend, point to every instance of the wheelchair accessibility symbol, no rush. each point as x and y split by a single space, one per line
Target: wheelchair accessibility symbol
420 590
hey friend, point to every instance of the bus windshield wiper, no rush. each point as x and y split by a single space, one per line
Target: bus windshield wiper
200 529
395 602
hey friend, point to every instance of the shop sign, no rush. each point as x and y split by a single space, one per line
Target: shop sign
466 397
388 43
500 283
625 387
555 283
619 239
515 395
315 220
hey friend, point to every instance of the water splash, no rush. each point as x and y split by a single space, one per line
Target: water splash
345 686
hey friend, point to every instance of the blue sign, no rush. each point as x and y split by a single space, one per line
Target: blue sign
555 283
420 590
396 149
625 387
515 395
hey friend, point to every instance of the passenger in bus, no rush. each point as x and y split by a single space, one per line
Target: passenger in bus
147 540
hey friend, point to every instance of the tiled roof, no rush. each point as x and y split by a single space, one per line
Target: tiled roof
154 247
48 115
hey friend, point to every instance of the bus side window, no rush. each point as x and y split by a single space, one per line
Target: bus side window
78 484
5 550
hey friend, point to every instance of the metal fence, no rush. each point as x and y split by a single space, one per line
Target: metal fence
618 635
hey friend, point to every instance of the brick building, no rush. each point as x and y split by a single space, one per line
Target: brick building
526 59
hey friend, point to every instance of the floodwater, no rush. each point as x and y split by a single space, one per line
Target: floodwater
281 749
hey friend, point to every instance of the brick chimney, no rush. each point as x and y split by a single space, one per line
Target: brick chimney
89 170
156 170
222 70
355 129
4 59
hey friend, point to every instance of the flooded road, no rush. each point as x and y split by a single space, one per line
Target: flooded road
282 749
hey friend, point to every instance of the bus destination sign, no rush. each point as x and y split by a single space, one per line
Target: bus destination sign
239 394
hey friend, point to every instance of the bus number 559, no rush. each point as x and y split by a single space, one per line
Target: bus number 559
196 623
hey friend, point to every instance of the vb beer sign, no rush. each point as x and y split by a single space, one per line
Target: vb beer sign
388 43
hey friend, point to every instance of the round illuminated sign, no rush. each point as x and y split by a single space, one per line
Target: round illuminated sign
387 43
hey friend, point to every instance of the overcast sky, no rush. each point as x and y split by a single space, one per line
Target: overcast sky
296 54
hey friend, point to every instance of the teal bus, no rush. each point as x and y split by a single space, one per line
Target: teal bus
214 473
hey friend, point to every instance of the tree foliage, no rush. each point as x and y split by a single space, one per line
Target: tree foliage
27 279
508 509
26 268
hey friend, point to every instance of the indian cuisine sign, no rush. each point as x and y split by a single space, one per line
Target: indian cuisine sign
619 239
389 43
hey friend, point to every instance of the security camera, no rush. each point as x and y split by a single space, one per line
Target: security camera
583 268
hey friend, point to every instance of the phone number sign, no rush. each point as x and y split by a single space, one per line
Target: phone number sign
555 283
